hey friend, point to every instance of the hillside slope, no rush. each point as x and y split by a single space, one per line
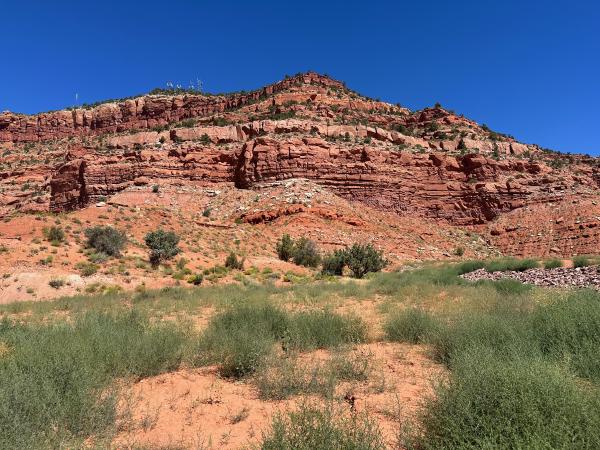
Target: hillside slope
431 164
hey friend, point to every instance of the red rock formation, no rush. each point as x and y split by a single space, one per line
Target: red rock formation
430 163
139 113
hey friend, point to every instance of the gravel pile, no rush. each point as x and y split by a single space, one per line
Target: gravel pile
560 277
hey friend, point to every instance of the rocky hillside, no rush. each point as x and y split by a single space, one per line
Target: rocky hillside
432 164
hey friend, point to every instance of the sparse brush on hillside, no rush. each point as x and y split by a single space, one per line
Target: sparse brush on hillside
162 245
334 263
285 247
306 253
362 259
233 262
54 234
106 240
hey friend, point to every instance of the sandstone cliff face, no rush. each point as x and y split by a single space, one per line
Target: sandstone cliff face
431 163
139 113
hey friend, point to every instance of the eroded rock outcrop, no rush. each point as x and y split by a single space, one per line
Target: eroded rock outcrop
430 163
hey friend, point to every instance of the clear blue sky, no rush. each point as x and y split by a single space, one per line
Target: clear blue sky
528 68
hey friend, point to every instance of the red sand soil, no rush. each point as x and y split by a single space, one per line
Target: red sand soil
195 407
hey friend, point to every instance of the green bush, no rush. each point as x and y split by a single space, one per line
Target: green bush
106 240
362 259
56 283
306 253
57 385
569 330
232 262
54 234
553 264
196 279
162 245
87 269
312 428
285 247
334 263
517 403
240 338
581 261
309 330
155 188
410 325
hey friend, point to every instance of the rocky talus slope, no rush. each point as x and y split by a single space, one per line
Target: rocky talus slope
432 163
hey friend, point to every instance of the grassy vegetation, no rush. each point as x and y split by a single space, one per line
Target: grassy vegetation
524 362
312 428
56 389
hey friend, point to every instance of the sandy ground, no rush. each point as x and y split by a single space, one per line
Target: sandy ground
196 408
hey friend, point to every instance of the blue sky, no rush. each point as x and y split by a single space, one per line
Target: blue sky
527 68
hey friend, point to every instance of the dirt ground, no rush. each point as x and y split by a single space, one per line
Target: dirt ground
211 223
196 408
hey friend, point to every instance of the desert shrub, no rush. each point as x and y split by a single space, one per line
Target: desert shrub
308 330
581 261
306 253
54 234
519 403
57 387
311 428
410 325
106 240
552 264
282 377
98 257
459 251
162 245
334 263
206 212
503 332
232 262
87 269
240 338
56 283
362 259
196 279
155 188
569 330
285 247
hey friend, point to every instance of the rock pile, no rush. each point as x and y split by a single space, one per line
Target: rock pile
560 277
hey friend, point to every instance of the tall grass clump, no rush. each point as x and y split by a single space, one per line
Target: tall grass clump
553 264
240 338
504 333
581 261
312 427
511 264
56 386
517 403
569 329
309 330
411 325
